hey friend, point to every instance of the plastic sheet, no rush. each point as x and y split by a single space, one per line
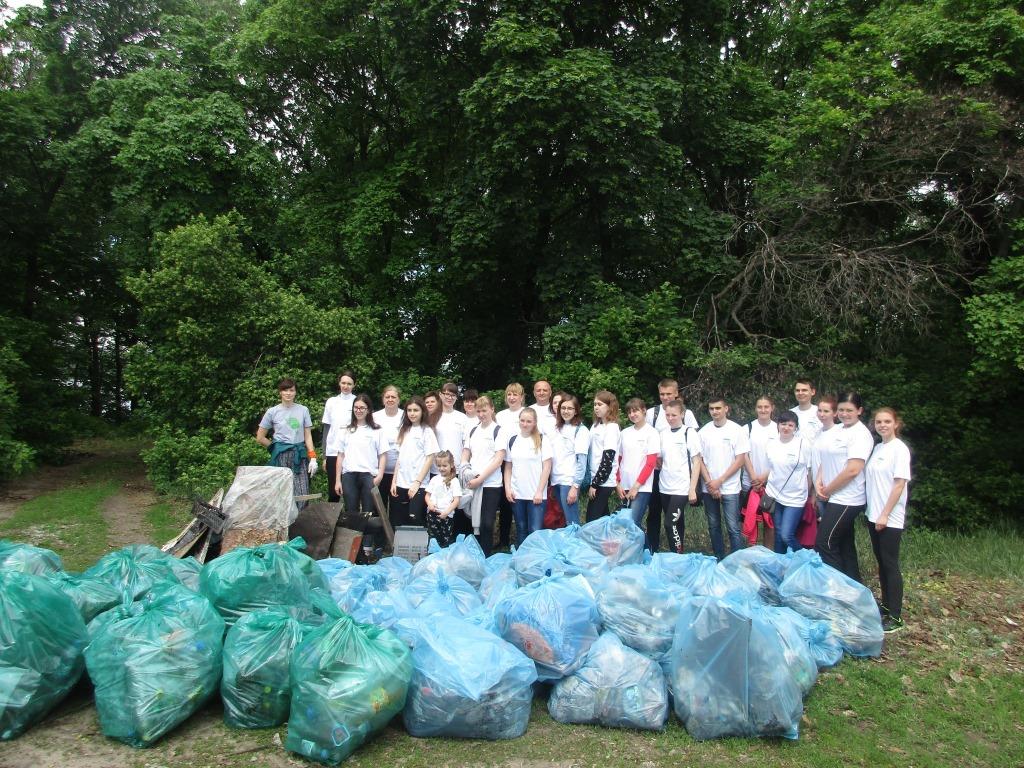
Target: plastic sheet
26 558
260 497
729 673
761 568
557 552
134 570
436 593
255 688
616 687
615 537
640 608
464 558
42 637
554 621
818 591
348 681
91 596
154 662
467 683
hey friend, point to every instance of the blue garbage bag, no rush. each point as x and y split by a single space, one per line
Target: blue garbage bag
797 652
27 558
154 662
557 552
348 680
615 537
761 568
350 585
397 571
463 558
701 575
616 687
467 683
42 637
332 566
729 673
554 621
824 645
497 561
134 570
91 596
497 584
640 608
819 591
383 608
435 593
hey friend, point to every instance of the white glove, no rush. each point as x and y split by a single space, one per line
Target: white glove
312 468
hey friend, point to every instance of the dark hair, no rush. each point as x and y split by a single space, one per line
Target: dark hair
851 397
450 386
576 417
428 418
362 397
286 383
636 403
788 416
612 402
470 394
805 380
718 399
348 373
406 424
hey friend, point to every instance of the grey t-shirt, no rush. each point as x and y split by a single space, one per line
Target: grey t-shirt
288 422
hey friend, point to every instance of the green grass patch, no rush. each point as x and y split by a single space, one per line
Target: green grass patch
167 519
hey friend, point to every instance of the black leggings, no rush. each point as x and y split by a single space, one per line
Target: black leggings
836 543
330 467
489 499
675 505
654 508
358 490
598 506
886 546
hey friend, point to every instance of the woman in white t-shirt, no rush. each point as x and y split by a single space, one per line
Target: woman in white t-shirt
640 446
827 405
570 449
484 453
337 416
604 453
389 419
527 470
840 484
755 469
417 445
362 453
789 461
887 474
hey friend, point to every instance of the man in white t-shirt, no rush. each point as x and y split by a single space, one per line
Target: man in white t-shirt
724 447
508 420
805 409
451 424
337 416
668 392
542 406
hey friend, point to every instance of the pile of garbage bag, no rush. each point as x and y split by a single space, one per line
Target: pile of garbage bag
640 608
557 552
134 570
91 595
27 558
615 537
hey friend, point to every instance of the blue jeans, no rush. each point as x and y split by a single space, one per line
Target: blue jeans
571 511
786 521
713 509
529 518
638 507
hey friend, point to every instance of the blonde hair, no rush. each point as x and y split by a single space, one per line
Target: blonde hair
515 388
535 433
895 417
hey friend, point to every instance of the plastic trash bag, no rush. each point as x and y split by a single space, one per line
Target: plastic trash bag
819 591
154 662
350 586
90 595
823 644
134 570
761 568
383 608
616 687
293 550
554 621
397 571
557 552
255 688
700 575
332 566
435 593
42 637
729 673
252 578
640 608
498 560
467 683
26 558
615 537
497 584
795 649
463 558
348 681
260 497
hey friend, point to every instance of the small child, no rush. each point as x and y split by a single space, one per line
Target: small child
443 494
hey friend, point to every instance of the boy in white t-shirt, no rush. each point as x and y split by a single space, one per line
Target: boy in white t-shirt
805 410
724 447
337 416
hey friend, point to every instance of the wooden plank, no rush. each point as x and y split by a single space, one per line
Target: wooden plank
378 502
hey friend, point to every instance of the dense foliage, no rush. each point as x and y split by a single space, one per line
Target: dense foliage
199 196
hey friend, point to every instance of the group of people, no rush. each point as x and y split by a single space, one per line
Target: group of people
814 463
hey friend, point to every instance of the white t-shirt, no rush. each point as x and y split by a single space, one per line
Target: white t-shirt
810 425
759 437
450 429
483 443
675 463
418 443
604 437
389 425
527 463
565 444
847 443
822 439
888 462
337 413
467 426
508 419
442 495
545 418
287 422
720 446
362 449
656 418
634 446
788 464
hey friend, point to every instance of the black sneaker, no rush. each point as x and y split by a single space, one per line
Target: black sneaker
892 624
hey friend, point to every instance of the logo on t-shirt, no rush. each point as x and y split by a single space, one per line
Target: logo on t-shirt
293 422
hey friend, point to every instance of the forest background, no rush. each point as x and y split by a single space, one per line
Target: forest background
198 197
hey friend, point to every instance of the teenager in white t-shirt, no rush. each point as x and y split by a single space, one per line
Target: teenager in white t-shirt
680 471
886 476
724 447
604 452
389 419
508 420
639 449
484 453
668 391
804 409
570 452
451 424
362 454
337 416
417 446
527 471
754 475
789 481
827 405
840 484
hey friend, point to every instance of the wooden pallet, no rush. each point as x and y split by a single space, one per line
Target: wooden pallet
194 539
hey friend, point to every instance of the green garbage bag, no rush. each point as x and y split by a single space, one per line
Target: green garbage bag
154 662
134 570
42 637
90 595
28 559
255 689
348 681
295 550
252 578
186 570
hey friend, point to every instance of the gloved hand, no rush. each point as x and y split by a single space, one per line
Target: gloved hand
312 468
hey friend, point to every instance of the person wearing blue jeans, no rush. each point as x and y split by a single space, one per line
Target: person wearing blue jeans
640 448
725 448
789 480
527 470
